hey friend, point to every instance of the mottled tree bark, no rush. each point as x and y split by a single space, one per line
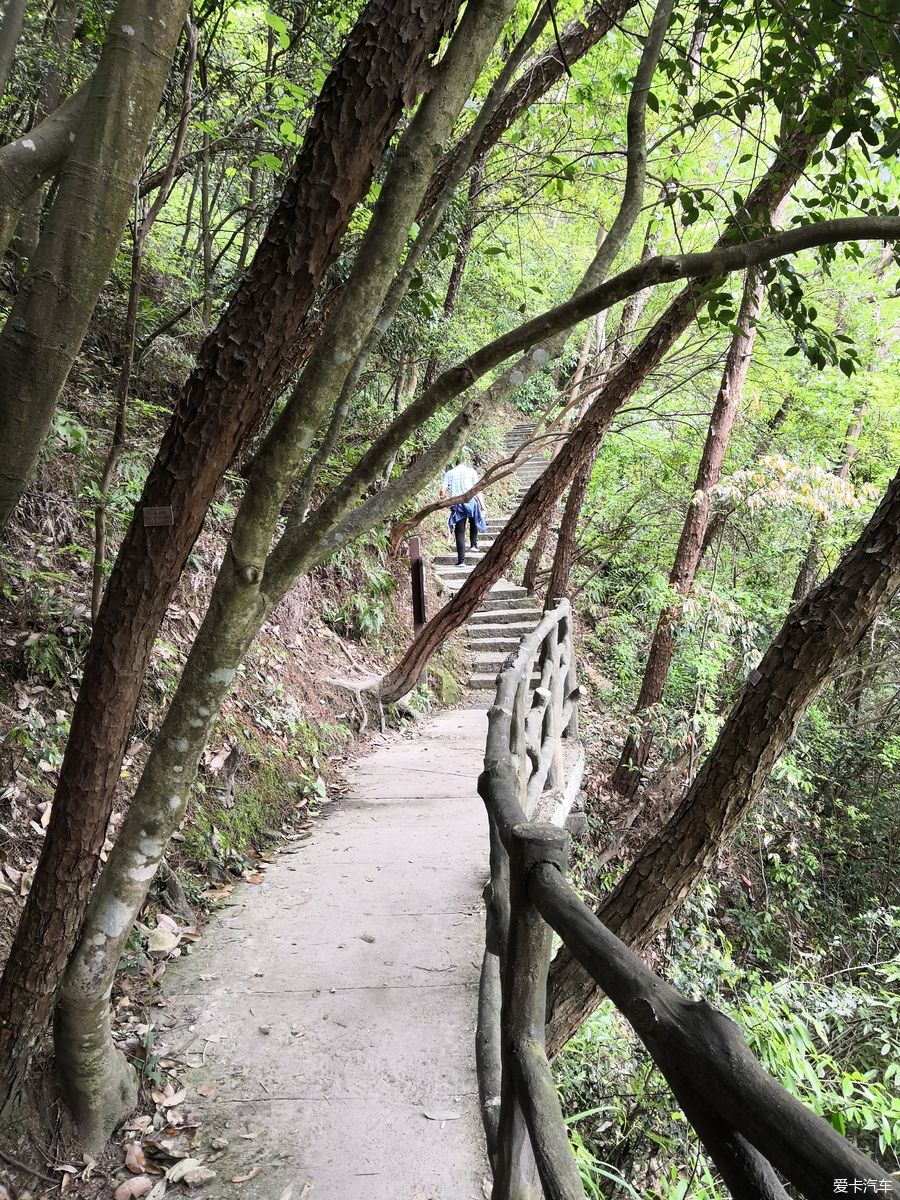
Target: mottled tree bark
818 635
688 553
361 102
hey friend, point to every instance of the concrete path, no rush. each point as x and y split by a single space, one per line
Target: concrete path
332 1007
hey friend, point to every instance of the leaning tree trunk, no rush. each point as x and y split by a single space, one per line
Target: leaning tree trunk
360 104
792 158
816 638
88 1064
688 553
50 314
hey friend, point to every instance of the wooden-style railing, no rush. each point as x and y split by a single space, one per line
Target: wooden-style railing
749 1125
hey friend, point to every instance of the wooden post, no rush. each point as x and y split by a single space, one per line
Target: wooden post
417 571
571 680
534 1159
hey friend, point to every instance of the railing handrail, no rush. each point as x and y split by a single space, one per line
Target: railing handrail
749 1125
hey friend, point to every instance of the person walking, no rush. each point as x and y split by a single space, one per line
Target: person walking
456 482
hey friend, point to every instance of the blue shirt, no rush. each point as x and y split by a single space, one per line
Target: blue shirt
459 479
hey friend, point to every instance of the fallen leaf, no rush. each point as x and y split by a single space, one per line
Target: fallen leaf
134 1158
442 1116
140 1185
198 1177
159 1190
487 1188
251 1174
207 1089
162 941
178 1170
174 1099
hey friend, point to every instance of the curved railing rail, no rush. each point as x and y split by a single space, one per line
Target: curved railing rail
752 1129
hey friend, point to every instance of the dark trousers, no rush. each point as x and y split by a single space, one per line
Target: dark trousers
460 530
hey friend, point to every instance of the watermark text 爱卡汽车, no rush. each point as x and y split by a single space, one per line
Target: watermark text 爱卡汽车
846 1187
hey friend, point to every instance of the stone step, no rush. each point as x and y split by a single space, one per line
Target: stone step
489 682
453 574
499 645
503 616
484 663
512 631
449 560
500 597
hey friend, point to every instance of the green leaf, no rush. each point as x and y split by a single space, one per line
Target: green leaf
279 26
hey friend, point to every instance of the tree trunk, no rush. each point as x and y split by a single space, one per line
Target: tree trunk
50 314
374 77
789 164
816 638
206 240
30 161
144 220
536 554
627 775
89 1067
244 592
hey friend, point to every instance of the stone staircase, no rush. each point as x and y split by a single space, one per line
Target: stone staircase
503 619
